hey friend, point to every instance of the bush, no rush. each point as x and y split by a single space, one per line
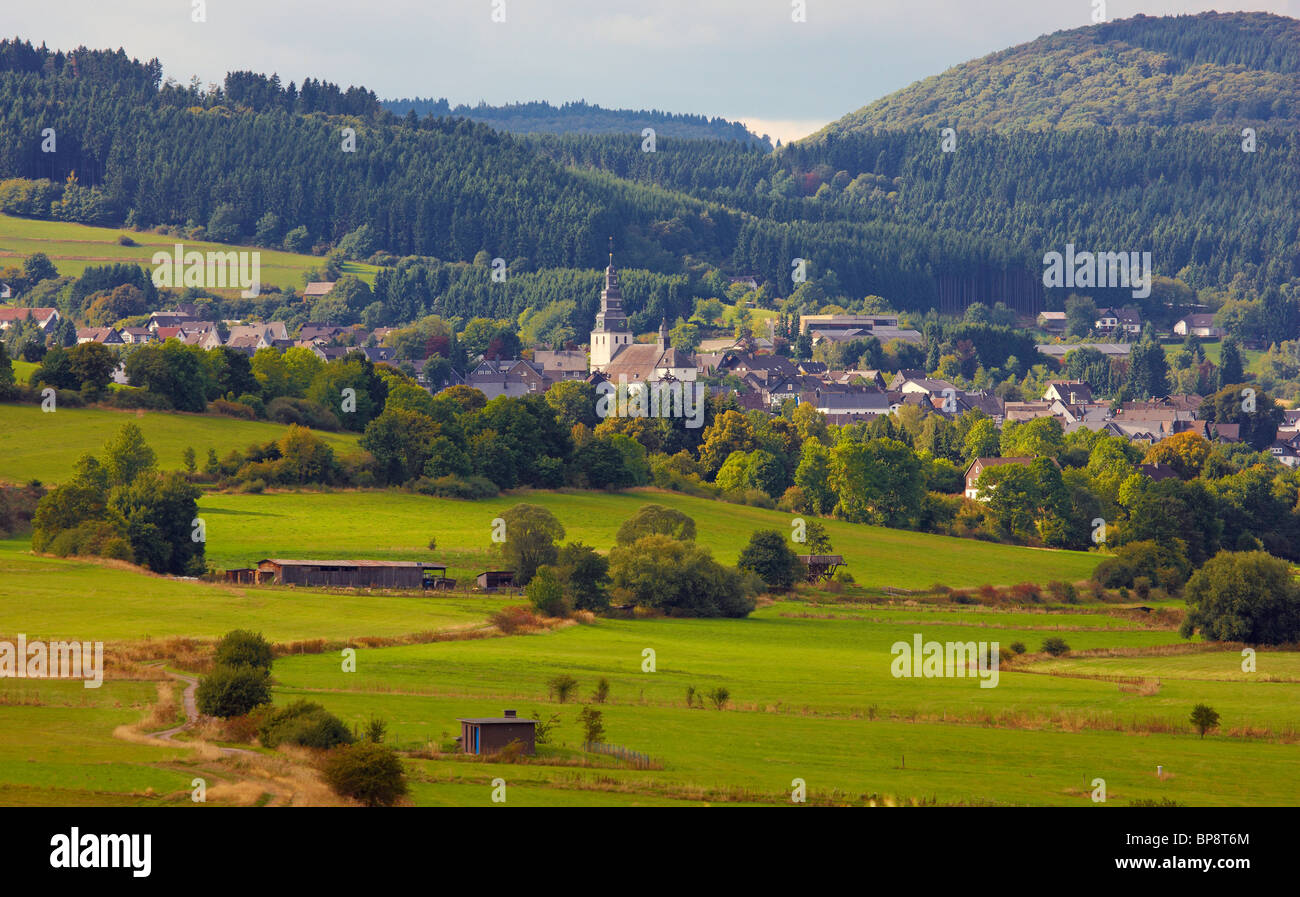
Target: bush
243 647
368 772
137 397
547 594
451 486
1017 647
560 687
1055 646
719 696
514 619
769 555
593 726
302 412
1204 718
1246 596
601 694
233 691
303 723
231 409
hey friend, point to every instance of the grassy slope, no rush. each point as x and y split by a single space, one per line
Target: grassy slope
376 524
37 445
74 247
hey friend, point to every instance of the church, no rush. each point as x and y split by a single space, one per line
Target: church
614 353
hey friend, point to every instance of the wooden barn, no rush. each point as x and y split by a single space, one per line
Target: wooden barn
491 580
821 567
349 574
487 735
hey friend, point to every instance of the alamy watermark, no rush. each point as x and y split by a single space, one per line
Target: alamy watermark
663 398
211 270
1130 270
945 660
52 660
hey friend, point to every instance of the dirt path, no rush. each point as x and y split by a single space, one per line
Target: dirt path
191 713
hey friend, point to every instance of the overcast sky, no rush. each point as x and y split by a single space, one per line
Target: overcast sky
742 59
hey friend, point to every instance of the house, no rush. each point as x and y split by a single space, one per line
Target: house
1024 411
311 332
488 735
1060 350
45 317
347 574
1071 392
1157 472
512 377
109 336
561 364
1198 325
377 354
166 333
1227 432
748 281
1052 321
833 323
6 291
317 289
169 319
979 465
869 403
1124 320
491 580
137 335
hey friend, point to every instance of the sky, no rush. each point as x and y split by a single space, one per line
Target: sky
745 60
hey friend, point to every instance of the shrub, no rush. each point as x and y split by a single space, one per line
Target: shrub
593 726
546 593
719 696
1017 647
1246 596
514 619
233 691
545 726
303 723
302 412
1204 718
1055 646
137 397
231 409
560 687
451 486
769 555
601 694
370 773
243 647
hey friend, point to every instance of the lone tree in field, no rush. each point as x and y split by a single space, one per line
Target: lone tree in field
531 532
1055 646
368 772
233 691
562 686
768 555
1243 596
243 647
656 519
1204 718
593 725
546 593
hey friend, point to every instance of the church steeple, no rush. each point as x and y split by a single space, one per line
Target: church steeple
612 332
611 317
663 335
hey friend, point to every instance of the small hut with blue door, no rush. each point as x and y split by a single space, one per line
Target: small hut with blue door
487 735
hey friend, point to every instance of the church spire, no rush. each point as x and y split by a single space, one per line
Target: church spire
611 316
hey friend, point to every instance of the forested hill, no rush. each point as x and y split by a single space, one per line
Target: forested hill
881 212
1213 70
581 118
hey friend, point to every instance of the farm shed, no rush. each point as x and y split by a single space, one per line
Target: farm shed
821 567
492 580
487 735
346 574
242 575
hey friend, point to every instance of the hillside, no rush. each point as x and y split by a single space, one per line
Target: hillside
1213 70
580 118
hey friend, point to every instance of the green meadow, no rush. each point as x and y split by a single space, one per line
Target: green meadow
46 445
376 524
75 247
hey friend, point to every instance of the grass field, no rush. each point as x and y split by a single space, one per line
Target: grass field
385 525
74 247
45 446
1214 349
